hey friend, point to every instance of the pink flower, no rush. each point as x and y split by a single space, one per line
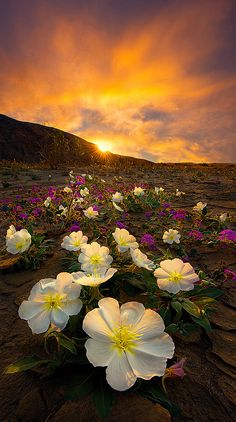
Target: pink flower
176 370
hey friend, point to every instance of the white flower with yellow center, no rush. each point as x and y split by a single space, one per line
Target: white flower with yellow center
159 190
94 279
138 191
124 240
199 207
171 236
11 231
94 257
84 192
90 213
47 201
130 341
74 241
174 275
67 190
117 197
141 260
51 301
18 242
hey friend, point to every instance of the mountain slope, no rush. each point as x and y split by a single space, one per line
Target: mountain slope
33 143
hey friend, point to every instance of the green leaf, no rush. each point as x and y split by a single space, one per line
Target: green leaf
211 292
82 385
172 328
166 315
103 398
67 344
203 322
191 308
177 306
152 391
24 364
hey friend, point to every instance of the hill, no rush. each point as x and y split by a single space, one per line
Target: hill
33 143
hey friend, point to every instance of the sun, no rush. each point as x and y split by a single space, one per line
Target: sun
103 146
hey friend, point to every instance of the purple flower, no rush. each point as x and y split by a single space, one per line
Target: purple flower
23 216
179 215
230 274
74 228
149 241
148 214
227 236
120 225
166 205
37 212
195 234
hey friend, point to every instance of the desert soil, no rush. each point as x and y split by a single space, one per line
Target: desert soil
207 392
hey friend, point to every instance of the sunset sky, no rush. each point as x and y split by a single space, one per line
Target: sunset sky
152 79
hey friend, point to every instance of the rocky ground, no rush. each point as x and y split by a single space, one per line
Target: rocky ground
207 392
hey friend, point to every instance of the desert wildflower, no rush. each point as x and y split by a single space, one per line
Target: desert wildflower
94 279
18 242
94 257
138 191
124 240
51 301
90 213
171 236
117 197
174 275
199 207
141 260
74 241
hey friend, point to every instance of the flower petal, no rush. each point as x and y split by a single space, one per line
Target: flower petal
40 323
72 291
71 307
146 366
161 346
119 373
131 312
150 325
95 326
99 353
28 309
63 279
110 311
59 318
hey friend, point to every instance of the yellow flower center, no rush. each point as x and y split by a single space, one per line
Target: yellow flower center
122 242
19 245
95 259
124 339
175 277
53 301
77 242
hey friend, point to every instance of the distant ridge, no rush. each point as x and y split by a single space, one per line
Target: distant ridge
32 143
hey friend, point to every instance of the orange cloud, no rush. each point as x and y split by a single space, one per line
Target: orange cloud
150 92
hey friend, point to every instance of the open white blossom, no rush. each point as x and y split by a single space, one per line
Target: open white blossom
18 242
94 279
90 213
84 192
94 257
117 197
51 301
124 240
11 231
141 260
171 236
138 191
74 241
130 341
47 201
179 192
67 190
64 211
199 207
174 275
159 190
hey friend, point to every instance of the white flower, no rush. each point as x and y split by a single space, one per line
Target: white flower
124 240
94 279
141 260
63 209
71 175
171 236
90 213
18 242
138 191
117 207
179 193
67 190
90 177
103 181
10 232
200 206
94 257
47 201
74 241
223 217
130 341
174 275
117 197
78 201
84 192
159 190
51 301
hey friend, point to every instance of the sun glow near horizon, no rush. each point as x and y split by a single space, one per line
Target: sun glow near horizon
103 146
